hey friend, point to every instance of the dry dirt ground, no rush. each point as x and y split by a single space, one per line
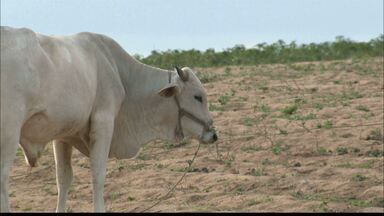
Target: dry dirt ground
297 137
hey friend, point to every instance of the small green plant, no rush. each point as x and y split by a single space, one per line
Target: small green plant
362 108
276 149
229 160
223 99
336 81
345 165
19 152
367 164
318 106
143 156
322 207
355 150
120 165
289 110
114 195
351 95
232 92
252 202
227 163
243 98
341 150
131 198
322 151
359 203
47 189
326 125
227 71
248 122
301 196
322 68
263 88
250 137
160 166
378 202
300 100
375 153
359 177
262 108
239 191
375 135
168 145
208 189
138 166
257 172
265 161
262 85
367 115
12 194
309 116
213 107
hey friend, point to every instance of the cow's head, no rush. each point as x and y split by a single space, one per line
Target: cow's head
194 119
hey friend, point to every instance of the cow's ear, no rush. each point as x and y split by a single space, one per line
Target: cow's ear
169 90
182 74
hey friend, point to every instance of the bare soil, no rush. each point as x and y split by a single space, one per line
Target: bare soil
303 137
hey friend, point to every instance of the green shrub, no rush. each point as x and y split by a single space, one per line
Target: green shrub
375 135
289 110
341 150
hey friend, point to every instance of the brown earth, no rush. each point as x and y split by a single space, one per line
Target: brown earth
292 138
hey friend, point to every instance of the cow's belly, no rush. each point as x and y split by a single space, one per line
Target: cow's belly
48 125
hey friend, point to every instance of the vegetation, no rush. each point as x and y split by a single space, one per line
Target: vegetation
263 53
289 110
375 135
341 150
327 125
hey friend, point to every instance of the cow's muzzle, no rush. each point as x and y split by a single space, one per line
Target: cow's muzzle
209 136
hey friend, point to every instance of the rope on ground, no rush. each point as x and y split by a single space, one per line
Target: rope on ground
190 162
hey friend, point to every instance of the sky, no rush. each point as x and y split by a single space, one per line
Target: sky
141 26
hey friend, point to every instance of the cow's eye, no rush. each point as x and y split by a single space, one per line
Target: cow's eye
199 98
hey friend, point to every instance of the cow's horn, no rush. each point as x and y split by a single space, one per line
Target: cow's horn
182 74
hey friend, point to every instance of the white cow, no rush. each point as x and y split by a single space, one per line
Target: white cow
85 91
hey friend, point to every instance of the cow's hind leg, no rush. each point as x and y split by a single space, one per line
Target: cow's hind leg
64 173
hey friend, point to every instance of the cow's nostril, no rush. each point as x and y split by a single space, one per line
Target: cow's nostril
214 137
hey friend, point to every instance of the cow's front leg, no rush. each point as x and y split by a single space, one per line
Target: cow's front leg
8 148
10 125
101 137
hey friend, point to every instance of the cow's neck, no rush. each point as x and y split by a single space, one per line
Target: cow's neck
144 116
159 114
